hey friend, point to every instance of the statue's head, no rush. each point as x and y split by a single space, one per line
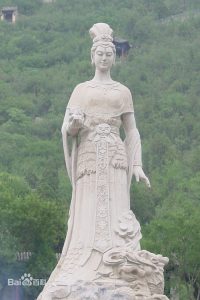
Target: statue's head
101 34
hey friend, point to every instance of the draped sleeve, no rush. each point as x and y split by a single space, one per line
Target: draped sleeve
128 100
76 99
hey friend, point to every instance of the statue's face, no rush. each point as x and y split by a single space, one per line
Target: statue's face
103 58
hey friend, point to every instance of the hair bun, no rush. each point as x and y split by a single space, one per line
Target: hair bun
101 32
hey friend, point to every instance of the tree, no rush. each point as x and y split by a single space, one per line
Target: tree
28 223
174 232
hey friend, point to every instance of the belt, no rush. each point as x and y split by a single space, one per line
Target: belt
101 131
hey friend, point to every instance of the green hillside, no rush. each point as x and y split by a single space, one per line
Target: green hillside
42 57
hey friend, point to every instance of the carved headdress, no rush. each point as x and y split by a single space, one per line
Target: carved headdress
101 34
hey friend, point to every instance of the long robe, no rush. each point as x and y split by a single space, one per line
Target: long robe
100 169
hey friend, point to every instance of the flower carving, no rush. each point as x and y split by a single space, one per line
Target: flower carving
128 226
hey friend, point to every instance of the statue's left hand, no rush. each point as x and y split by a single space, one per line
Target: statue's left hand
139 175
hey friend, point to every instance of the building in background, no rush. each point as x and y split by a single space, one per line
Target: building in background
9 14
122 47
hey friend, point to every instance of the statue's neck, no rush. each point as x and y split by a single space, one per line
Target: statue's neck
103 77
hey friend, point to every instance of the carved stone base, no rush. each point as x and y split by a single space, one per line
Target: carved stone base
98 291
123 275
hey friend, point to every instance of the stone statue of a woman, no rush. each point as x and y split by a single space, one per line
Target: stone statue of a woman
101 257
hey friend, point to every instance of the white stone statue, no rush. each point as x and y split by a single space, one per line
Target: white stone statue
101 257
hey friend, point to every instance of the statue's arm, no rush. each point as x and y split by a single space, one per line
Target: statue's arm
132 134
72 122
74 117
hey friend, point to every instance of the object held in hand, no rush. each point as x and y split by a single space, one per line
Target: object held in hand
76 117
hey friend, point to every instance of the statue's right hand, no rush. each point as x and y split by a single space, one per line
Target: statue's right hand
76 118
75 122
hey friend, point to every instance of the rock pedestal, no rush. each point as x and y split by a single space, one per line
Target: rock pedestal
123 275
